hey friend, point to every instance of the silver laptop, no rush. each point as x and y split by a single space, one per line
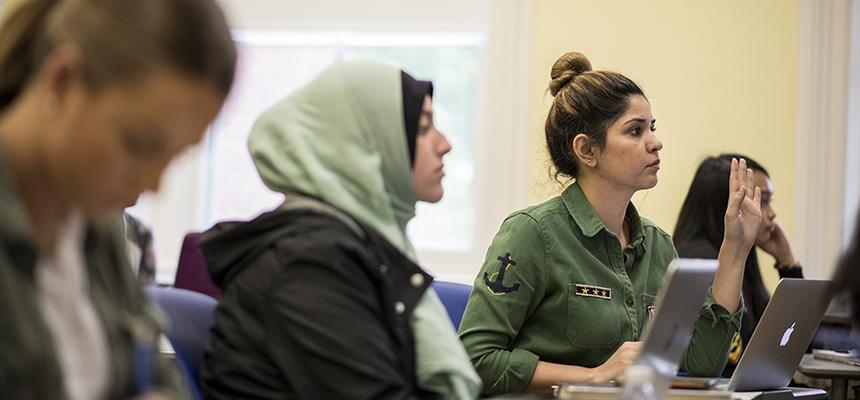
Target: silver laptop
782 335
666 334
678 303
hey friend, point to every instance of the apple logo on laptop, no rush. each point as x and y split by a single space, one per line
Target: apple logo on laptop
787 335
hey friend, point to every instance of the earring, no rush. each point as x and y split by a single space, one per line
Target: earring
51 104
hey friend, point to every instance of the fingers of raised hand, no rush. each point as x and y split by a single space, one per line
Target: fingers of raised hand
742 171
750 181
752 202
745 176
733 176
736 197
740 176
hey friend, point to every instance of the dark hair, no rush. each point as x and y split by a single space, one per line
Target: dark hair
847 276
587 102
413 92
118 40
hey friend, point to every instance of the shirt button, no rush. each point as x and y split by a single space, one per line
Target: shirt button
630 301
399 307
416 279
383 268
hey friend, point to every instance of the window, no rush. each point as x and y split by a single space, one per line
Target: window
274 64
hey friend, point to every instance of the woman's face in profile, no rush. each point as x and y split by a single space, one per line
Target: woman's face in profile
630 157
111 145
430 146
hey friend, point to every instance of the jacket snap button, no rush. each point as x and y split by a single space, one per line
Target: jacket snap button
630 301
399 307
416 279
383 268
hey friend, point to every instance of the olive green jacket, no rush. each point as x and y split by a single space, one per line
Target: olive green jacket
29 368
556 286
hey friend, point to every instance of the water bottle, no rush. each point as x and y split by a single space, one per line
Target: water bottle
638 383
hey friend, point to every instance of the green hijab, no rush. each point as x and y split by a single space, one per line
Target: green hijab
342 139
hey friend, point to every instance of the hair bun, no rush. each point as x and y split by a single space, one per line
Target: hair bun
567 66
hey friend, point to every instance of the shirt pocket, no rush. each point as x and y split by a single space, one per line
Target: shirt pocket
649 311
592 322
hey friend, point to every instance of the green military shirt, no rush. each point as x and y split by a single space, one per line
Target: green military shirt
557 287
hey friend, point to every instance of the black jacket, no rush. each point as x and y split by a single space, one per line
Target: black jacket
312 309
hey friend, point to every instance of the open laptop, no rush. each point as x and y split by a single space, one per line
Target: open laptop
678 303
782 335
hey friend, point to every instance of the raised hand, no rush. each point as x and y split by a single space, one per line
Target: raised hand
743 221
743 214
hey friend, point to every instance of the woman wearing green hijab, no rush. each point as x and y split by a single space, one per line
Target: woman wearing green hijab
322 296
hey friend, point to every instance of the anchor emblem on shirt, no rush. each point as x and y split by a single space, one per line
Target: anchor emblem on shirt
497 285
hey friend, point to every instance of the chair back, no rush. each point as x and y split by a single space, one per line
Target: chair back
191 273
189 316
454 296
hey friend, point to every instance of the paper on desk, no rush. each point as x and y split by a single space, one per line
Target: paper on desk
745 395
798 393
850 358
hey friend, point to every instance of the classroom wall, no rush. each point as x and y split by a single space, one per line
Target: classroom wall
721 76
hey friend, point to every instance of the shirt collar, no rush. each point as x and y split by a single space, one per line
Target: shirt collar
588 221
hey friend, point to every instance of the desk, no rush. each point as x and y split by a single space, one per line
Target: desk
605 393
838 318
838 373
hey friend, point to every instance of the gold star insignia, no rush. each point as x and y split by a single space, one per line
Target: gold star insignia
593 291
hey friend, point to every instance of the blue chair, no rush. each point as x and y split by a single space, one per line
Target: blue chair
189 316
454 296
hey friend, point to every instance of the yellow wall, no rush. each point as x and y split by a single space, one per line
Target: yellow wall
721 76
6 5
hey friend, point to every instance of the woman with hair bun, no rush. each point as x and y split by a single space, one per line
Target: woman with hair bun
567 284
